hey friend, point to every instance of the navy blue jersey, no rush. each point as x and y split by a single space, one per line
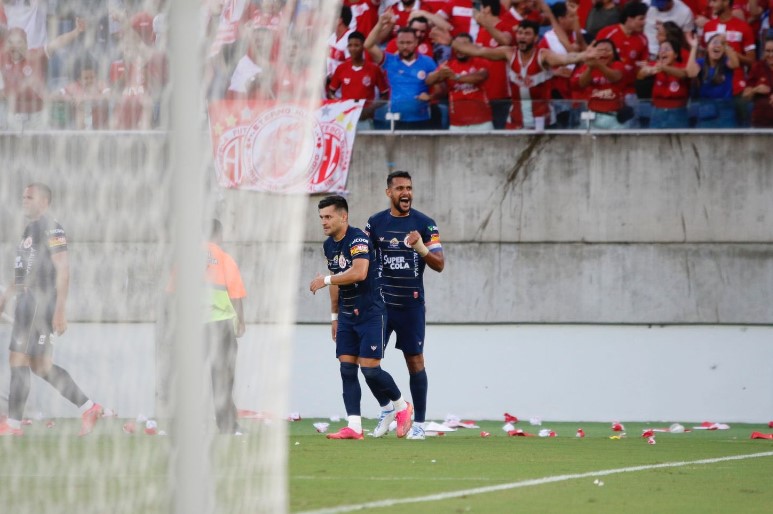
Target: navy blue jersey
362 299
402 269
34 268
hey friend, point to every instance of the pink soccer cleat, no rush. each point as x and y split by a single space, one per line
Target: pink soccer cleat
89 419
404 421
6 429
345 433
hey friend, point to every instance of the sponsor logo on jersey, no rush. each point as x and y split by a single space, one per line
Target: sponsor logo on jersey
435 238
394 243
373 348
27 243
398 262
358 249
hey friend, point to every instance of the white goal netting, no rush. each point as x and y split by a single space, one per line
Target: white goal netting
110 111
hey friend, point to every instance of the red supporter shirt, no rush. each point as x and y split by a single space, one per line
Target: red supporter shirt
496 85
26 79
738 35
459 14
137 82
631 49
468 103
602 95
670 92
530 87
95 100
359 82
364 14
762 112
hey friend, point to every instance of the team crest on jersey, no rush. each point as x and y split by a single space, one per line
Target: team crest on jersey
394 243
422 74
341 261
673 87
27 243
347 81
632 54
366 81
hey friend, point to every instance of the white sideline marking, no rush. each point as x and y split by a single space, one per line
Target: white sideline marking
526 483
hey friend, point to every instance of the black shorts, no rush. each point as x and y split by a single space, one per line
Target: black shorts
32 324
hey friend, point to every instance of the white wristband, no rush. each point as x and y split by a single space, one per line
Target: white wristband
333 316
420 248
327 280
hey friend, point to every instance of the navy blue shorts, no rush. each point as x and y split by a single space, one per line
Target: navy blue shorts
362 338
32 325
409 325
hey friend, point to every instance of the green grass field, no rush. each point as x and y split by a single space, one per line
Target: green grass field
52 470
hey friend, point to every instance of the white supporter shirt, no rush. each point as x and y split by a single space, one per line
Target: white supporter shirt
30 16
679 14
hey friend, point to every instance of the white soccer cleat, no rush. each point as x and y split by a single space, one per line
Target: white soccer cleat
416 433
384 420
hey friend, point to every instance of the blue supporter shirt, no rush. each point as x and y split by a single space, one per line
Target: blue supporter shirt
708 89
407 82
402 269
362 299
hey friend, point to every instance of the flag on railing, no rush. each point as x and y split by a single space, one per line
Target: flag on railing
265 146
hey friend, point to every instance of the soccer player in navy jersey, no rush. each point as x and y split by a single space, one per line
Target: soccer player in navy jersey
358 317
407 241
41 283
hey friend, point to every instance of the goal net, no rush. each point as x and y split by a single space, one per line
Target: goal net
119 131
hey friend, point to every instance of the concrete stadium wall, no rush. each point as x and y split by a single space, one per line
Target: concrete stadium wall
567 228
558 373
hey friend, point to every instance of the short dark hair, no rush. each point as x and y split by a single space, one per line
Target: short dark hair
337 201
559 9
615 55
346 14
495 5
530 24
632 10
398 174
420 19
357 35
43 188
463 35
407 30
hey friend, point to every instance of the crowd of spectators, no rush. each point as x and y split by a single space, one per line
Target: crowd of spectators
419 64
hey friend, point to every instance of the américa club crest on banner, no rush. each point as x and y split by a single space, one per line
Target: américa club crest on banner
268 146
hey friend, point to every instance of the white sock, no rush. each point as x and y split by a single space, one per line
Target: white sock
14 423
86 406
355 423
420 425
400 404
389 407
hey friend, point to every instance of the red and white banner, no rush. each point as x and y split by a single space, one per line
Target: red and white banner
265 146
